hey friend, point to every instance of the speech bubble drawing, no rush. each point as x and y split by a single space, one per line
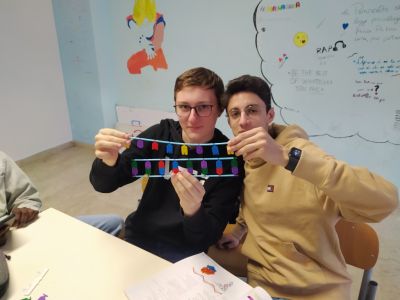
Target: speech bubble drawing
342 78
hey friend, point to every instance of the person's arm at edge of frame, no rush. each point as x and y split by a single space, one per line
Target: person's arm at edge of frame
23 200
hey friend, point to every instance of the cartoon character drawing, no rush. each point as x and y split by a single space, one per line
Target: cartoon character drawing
150 25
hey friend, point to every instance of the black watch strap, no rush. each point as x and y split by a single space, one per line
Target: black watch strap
294 157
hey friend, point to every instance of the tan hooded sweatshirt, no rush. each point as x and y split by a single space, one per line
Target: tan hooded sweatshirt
291 243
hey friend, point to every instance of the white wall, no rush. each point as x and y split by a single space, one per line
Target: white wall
33 108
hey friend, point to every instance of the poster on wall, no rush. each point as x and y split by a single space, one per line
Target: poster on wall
149 25
135 120
333 66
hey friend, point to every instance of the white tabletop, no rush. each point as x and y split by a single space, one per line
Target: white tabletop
82 261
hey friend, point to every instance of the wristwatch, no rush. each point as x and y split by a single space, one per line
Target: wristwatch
294 157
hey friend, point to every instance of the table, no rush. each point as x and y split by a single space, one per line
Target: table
83 262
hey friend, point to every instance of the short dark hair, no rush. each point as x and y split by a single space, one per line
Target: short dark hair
201 77
247 83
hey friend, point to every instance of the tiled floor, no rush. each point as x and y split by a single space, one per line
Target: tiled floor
62 178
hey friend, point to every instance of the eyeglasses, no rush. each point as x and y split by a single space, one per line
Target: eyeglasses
202 110
251 111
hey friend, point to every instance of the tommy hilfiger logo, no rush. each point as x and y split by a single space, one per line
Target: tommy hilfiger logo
270 188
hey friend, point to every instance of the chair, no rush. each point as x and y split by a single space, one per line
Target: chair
143 183
359 244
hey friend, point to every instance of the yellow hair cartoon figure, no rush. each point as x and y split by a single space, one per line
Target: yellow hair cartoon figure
144 9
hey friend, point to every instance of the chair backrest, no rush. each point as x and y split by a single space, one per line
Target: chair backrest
144 181
359 244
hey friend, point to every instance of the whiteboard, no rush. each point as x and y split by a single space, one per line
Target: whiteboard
333 66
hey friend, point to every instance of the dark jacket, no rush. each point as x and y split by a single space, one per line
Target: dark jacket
159 218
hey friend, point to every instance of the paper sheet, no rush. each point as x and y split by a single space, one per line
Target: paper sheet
195 278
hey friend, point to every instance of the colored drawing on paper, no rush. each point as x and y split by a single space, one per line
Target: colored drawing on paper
218 287
209 270
221 160
149 26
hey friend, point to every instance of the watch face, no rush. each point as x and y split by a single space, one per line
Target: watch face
294 157
296 152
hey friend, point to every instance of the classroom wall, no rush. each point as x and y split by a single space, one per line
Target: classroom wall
33 107
73 20
95 44
221 35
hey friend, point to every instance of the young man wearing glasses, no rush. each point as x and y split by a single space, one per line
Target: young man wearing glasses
182 216
294 194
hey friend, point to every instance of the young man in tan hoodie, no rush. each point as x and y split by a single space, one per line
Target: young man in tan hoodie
294 194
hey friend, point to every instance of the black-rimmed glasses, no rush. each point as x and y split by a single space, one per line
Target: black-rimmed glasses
202 110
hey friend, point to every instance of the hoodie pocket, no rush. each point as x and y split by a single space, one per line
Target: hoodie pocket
285 264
